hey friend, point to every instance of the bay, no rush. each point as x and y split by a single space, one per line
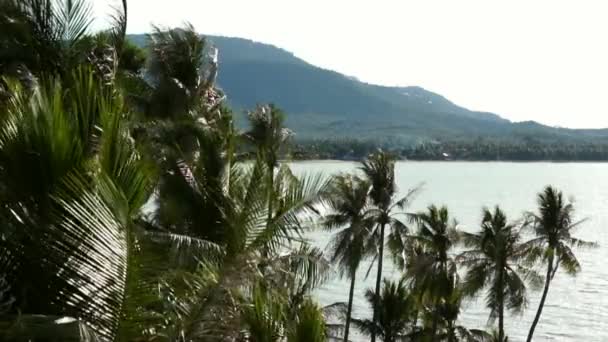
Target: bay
576 308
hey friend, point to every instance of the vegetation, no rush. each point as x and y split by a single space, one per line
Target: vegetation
395 310
494 262
350 213
486 149
126 215
553 225
325 106
133 208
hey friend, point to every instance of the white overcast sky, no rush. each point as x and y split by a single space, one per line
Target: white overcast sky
543 60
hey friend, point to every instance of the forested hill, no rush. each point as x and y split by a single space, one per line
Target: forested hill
323 104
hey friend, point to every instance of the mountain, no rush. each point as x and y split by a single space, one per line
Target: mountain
322 103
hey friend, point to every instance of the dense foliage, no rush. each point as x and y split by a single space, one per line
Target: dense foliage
133 208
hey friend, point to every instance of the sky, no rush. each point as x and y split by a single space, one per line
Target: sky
542 60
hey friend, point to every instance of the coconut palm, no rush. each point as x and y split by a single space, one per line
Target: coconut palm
395 312
265 319
379 170
553 226
176 94
254 253
349 205
43 33
74 241
175 82
448 311
309 325
51 37
267 133
269 137
72 184
493 262
186 130
431 269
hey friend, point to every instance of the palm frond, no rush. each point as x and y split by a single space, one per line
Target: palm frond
74 19
310 324
50 328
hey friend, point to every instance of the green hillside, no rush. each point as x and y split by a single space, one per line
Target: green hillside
325 104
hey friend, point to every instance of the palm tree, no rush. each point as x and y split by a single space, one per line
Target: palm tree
493 262
268 133
74 240
348 201
72 185
254 254
448 311
395 312
186 130
309 325
265 319
379 170
269 136
430 269
176 95
42 33
175 82
553 226
51 37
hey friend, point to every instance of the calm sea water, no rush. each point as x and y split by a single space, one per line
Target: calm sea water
576 308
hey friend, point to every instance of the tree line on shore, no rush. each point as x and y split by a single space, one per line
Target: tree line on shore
133 209
472 150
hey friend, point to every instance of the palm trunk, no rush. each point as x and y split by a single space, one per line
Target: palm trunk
434 326
501 322
451 332
501 308
415 323
542 299
378 280
350 306
265 251
270 194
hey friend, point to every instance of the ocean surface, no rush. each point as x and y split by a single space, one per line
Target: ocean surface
576 308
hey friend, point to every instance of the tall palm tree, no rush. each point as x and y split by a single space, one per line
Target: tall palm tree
431 269
269 136
186 130
379 170
349 204
268 133
395 312
176 95
493 262
553 226
175 79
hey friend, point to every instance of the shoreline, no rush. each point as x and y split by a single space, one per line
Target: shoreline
602 161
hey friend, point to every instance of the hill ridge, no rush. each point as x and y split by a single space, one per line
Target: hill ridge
323 103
